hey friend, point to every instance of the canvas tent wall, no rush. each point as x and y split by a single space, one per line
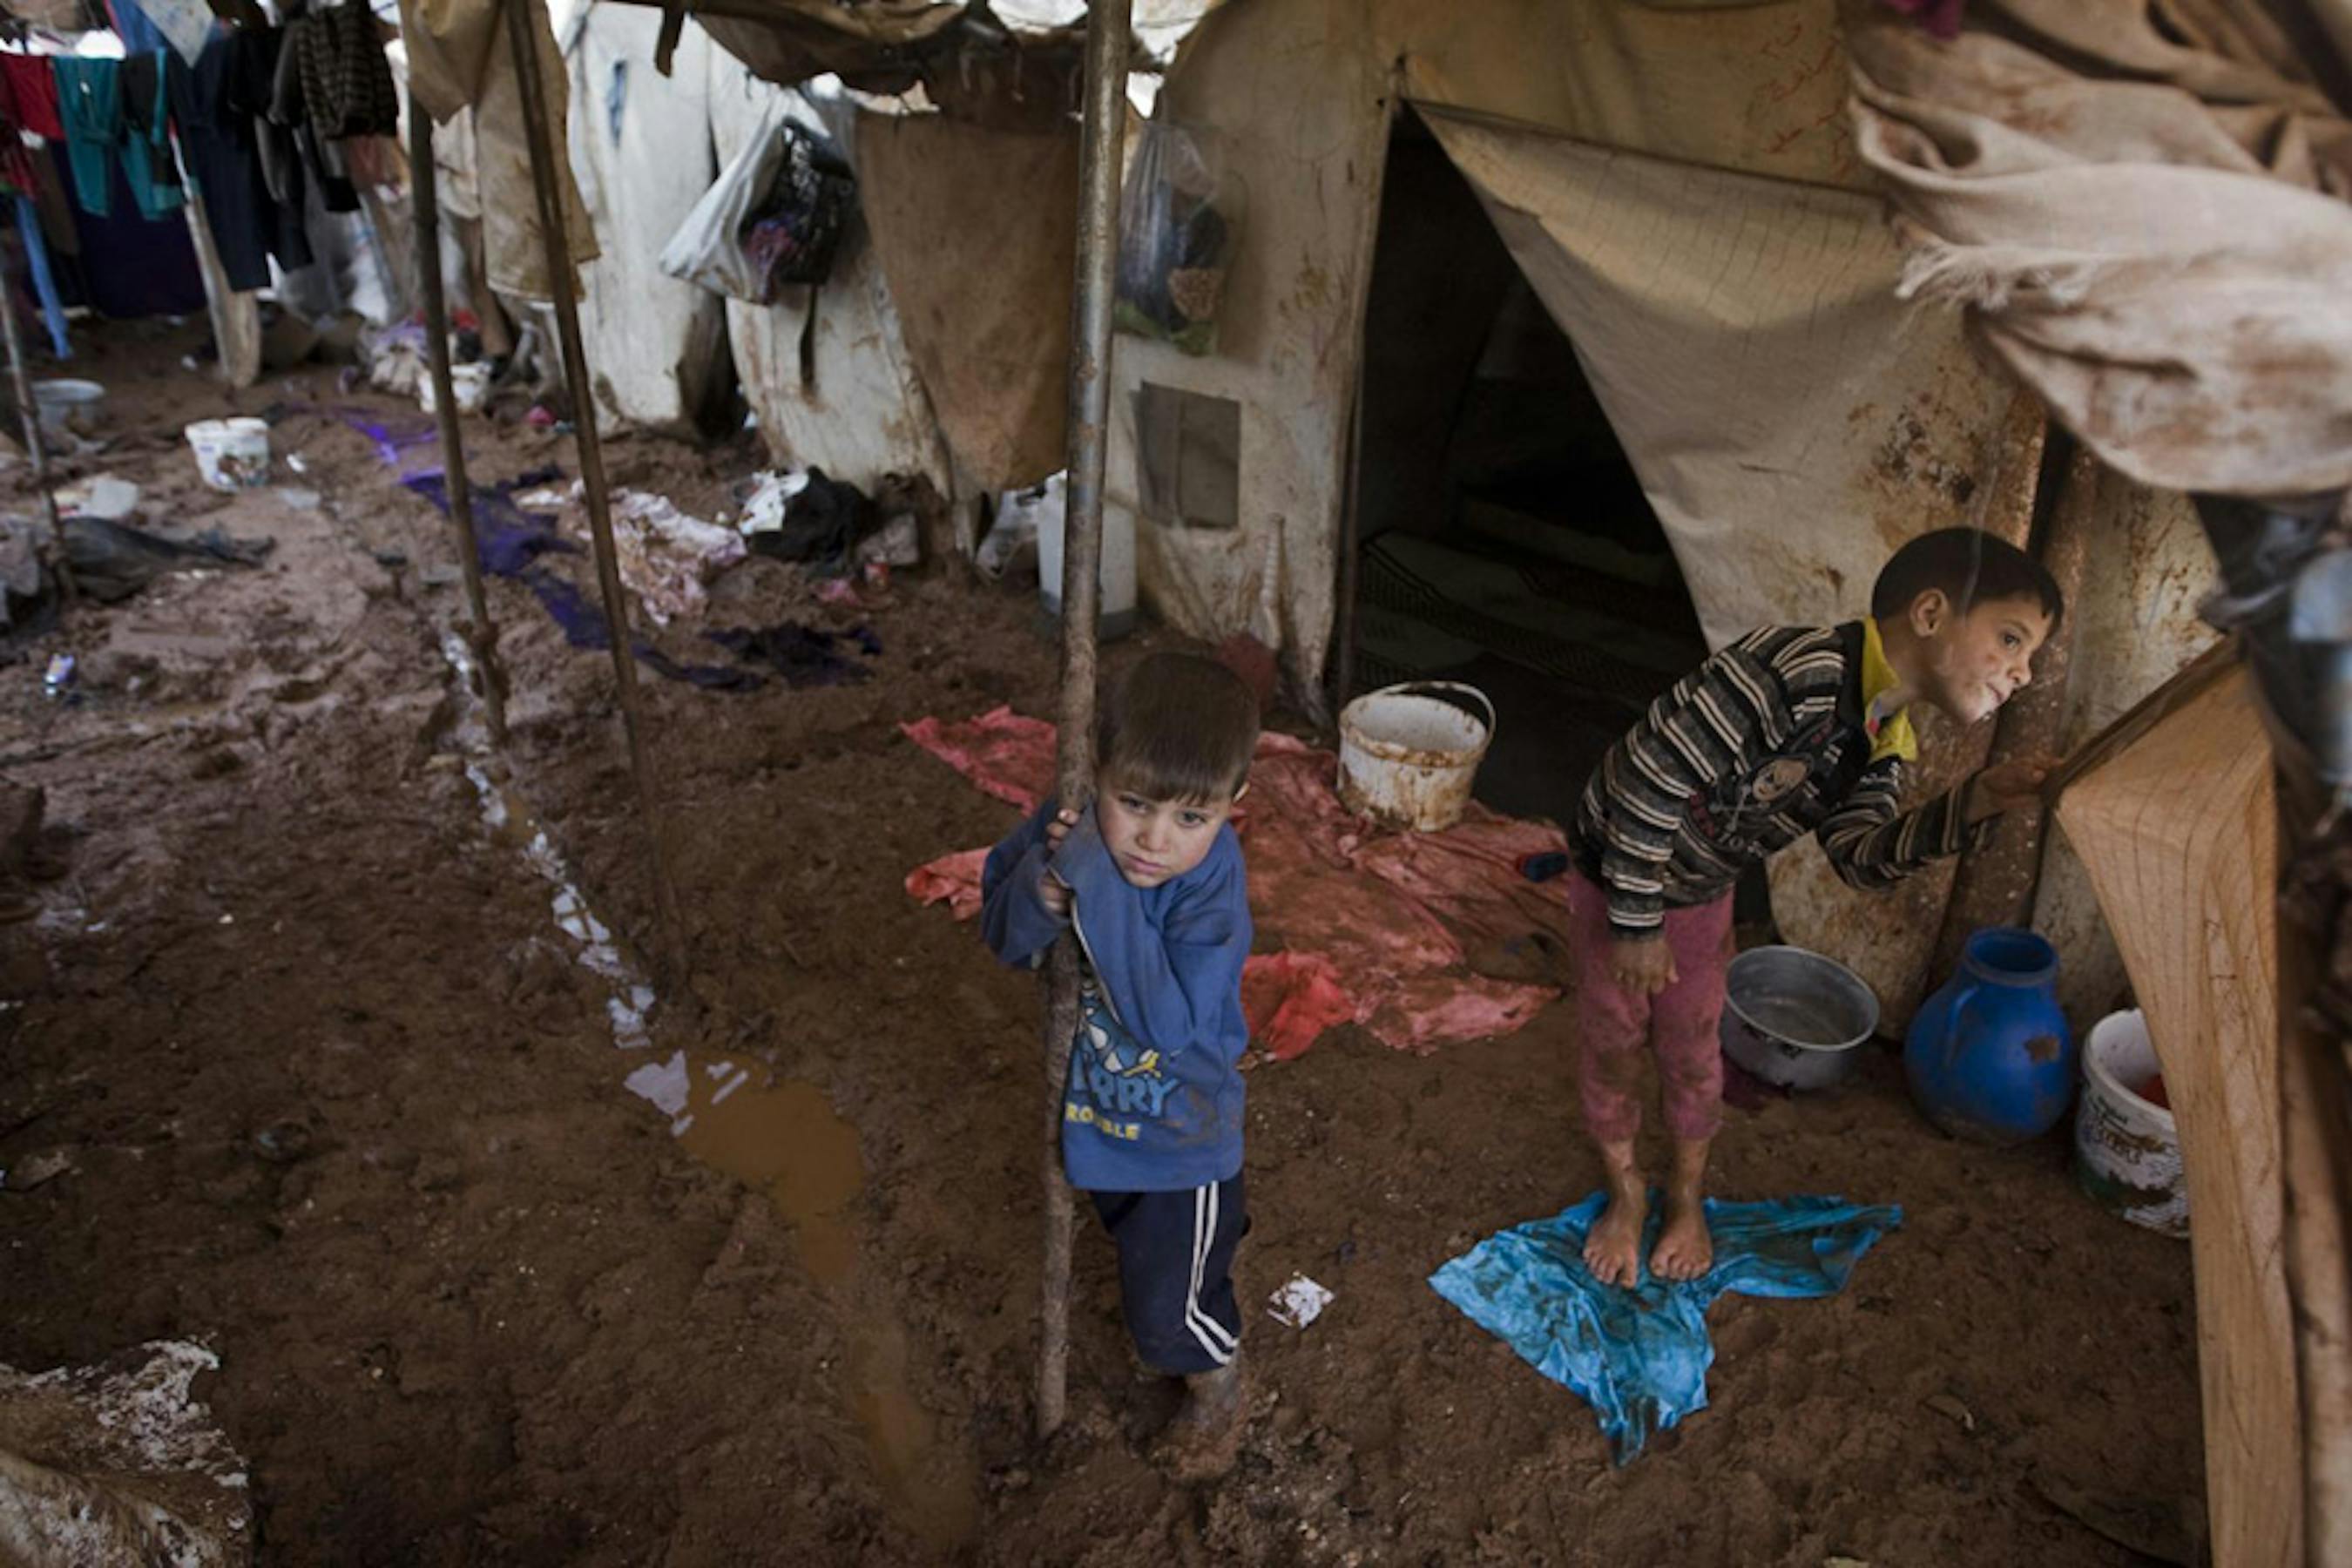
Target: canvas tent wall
1680 187
642 152
939 344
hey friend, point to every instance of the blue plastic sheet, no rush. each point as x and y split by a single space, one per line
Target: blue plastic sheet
1639 1357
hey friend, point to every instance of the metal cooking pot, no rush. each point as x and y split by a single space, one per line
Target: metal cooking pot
1793 1018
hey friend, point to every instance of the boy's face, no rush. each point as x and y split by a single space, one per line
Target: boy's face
1155 841
1978 662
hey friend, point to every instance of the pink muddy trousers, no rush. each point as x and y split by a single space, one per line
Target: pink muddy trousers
1616 1027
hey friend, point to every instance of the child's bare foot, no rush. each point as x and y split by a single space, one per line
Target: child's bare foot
1205 1438
1686 1246
1612 1251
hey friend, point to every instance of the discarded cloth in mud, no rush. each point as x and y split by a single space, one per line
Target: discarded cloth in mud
1374 931
667 557
512 541
1639 1357
113 561
116 1463
804 656
822 523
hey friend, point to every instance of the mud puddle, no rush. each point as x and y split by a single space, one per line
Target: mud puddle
783 1138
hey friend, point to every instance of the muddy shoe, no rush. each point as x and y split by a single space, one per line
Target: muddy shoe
1205 1438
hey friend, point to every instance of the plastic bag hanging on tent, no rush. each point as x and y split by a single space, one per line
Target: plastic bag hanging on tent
775 217
1179 224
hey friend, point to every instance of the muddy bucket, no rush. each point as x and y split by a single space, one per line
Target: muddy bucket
2128 1147
1407 756
68 408
232 454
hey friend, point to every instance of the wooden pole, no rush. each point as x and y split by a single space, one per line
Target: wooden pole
1098 170
481 635
36 451
1994 885
520 31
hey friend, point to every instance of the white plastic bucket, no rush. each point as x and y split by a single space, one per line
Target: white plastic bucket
1407 756
2127 1149
469 388
232 454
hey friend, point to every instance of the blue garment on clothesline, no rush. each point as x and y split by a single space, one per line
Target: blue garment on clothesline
1639 1357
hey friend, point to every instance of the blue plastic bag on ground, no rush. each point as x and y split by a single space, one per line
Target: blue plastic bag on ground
1639 1357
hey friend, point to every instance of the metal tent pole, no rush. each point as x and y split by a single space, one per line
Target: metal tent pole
481 633
520 16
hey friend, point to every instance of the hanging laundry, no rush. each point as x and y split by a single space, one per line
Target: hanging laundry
213 104
291 111
345 78
32 88
147 137
90 101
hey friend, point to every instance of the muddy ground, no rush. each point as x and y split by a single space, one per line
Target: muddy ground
338 1100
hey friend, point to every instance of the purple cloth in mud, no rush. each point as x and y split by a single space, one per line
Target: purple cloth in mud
511 541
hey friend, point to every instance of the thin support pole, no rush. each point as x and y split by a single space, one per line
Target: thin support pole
482 633
36 450
520 20
1099 168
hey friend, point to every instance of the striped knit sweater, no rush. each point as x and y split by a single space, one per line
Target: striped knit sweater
1764 742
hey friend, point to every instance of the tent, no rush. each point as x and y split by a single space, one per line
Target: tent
1679 189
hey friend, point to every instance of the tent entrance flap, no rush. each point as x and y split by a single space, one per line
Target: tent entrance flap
1502 537
1791 420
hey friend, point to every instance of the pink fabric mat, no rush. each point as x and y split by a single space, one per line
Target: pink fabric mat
1363 924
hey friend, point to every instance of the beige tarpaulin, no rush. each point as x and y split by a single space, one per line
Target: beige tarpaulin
1790 421
2148 233
2179 831
641 149
458 55
975 228
852 404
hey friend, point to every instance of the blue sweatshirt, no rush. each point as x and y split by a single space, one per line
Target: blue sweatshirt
1155 1097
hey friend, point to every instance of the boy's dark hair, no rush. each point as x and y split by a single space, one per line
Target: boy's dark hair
1970 566
1179 726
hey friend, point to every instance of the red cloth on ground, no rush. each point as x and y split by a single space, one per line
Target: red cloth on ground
1368 923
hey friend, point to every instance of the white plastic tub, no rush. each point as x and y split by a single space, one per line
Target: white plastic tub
2126 1148
66 408
1407 756
231 454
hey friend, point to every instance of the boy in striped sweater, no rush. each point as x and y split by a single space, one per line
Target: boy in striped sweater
1787 731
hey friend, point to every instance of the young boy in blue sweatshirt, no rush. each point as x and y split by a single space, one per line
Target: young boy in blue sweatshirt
1151 878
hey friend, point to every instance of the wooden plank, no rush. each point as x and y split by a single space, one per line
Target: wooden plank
2177 824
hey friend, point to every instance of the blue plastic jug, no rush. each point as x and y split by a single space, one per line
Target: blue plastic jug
1990 1056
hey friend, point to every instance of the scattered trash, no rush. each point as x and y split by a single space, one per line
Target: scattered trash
1951 1409
771 493
1020 515
298 462
877 575
667 557
837 591
120 1464
897 542
541 417
38 1170
231 454
824 521
1298 1302
105 497
58 679
113 561
470 387
394 357
299 500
